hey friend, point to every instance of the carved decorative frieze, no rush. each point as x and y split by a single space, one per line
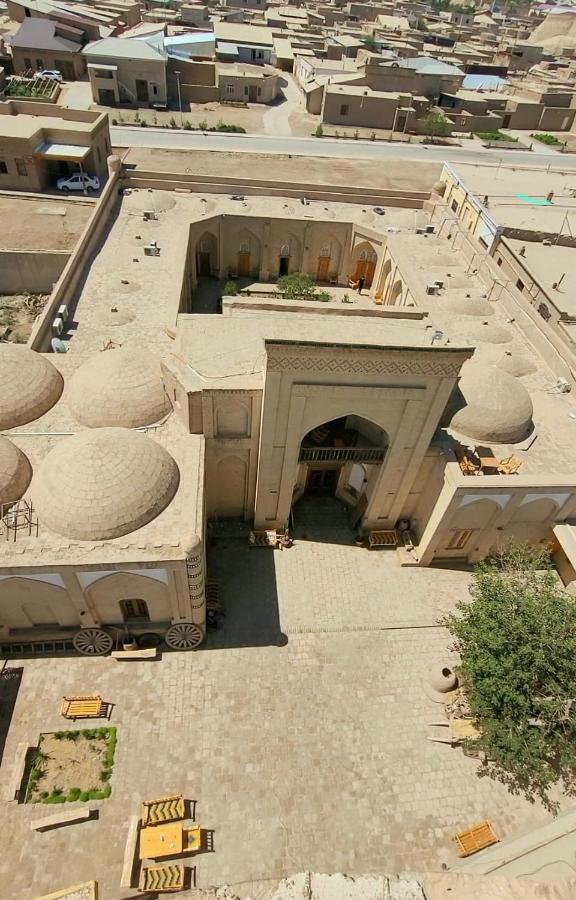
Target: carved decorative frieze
361 361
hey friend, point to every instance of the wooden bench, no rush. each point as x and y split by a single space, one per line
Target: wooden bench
162 878
166 809
263 538
130 852
475 838
147 653
382 539
63 818
90 707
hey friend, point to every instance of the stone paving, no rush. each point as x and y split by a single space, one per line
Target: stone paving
300 729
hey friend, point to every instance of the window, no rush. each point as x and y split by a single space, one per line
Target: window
3 167
520 284
325 251
244 247
21 167
246 90
343 109
459 539
134 608
230 90
154 89
27 62
285 250
259 91
454 206
39 63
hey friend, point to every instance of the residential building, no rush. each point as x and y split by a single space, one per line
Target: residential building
47 44
244 43
127 70
248 84
39 142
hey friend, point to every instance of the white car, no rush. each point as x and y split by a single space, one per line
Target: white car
80 181
51 74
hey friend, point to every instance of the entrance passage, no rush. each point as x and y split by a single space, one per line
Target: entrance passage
349 439
365 268
322 482
323 270
283 266
243 265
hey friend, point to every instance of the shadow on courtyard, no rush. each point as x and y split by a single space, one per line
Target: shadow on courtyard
10 679
247 587
323 520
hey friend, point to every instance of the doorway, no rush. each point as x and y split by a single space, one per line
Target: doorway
284 266
243 265
365 268
322 482
252 94
204 264
142 90
323 270
106 97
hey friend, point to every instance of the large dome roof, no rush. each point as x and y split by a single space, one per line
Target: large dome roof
118 387
498 408
512 360
15 471
29 385
467 306
101 484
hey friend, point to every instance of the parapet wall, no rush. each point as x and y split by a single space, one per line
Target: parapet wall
33 271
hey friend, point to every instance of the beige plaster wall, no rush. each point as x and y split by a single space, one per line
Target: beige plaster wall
36 271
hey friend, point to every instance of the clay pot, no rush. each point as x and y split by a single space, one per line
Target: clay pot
443 679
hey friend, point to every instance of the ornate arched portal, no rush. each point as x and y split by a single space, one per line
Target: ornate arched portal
332 451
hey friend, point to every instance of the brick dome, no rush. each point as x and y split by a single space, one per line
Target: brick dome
29 385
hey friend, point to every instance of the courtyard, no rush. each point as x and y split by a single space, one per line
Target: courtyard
299 728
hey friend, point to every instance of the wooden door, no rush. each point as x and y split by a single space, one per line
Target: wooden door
243 265
369 274
204 264
253 94
360 270
323 271
142 90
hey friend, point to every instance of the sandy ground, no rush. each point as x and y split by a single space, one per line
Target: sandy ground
360 173
18 313
70 764
48 224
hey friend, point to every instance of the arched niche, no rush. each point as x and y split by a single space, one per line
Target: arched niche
232 475
25 602
232 420
207 255
247 253
364 259
106 595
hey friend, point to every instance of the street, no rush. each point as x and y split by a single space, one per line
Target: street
337 148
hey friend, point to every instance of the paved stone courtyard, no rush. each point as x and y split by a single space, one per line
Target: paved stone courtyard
300 729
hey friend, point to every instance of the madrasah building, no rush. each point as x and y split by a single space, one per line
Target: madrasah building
430 405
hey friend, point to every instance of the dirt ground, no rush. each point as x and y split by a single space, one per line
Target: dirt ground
249 117
69 764
416 176
18 313
47 224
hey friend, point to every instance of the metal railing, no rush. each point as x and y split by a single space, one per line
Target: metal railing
342 454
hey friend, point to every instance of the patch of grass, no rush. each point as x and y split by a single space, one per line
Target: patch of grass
73 794
547 139
84 796
495 136
111 748
55 798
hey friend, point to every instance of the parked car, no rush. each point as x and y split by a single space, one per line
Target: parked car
50 74
78 182
379 211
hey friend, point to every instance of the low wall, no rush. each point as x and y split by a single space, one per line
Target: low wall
32 271
65 288
169 181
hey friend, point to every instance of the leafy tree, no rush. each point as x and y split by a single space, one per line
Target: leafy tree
517 642
435 124
297 286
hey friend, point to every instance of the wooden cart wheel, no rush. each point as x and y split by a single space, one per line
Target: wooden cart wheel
184 636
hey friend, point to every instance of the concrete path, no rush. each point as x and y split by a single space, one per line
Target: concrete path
277 119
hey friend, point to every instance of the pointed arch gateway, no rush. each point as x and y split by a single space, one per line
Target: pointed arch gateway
347 441
364 260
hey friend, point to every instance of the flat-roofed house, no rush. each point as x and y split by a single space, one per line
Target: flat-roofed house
130 70
46 44
244 43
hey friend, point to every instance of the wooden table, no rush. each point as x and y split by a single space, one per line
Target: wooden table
161 840
488 462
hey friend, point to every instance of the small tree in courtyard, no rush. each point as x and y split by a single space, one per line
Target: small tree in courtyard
517 642
297 286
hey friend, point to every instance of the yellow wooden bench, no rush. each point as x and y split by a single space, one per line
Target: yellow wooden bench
382 539
90 707
166 809
162 878
475 838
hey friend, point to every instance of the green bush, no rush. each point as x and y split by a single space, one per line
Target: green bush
203 125
173 123
143 124
43 795
96 794
102 732
89 732
297 286
188 126
84 796
73 794
231 289
59 735
114 121
319 131
105 775
495 136
110 749
547 139
55 798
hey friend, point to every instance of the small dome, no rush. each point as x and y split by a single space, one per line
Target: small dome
29 385
498 408
15 471
98 485
120 387
515 362
467 306
476 332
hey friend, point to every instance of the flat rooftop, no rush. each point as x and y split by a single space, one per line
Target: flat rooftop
550 265
517 196
52 223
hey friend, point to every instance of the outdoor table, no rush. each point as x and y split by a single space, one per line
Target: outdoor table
161 840
488 462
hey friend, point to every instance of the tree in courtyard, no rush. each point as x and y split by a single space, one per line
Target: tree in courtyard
435 124
297 286
517 643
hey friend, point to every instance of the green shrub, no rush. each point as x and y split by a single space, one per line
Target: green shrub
188 126
73 794
547 139
114 121
319 131
173 123
230 289
102 732
84 796
59 735
105 775
496 136
143 124
203 125
323 296
88 733
43 795
57 791
55 798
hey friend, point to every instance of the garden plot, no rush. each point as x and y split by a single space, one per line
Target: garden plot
72 765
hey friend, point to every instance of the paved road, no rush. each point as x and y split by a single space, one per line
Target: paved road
262 143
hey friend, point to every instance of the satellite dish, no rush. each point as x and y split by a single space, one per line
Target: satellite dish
58 346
